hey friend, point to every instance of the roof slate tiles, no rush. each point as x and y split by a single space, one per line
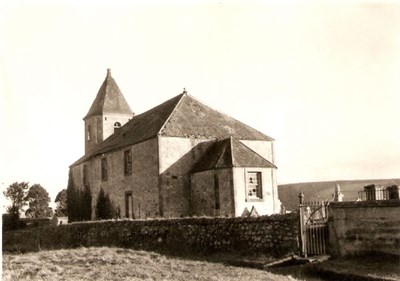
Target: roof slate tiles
109 99
181 116
229 153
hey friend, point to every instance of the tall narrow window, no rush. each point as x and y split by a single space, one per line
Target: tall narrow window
104 169
216 192
254 185
85 175
89 133
127 162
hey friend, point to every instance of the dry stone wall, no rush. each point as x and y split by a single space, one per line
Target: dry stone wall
275 235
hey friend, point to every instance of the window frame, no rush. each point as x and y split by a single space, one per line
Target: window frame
259 186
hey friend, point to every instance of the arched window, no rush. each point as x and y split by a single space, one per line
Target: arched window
117 125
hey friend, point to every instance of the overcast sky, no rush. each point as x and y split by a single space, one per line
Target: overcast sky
321 79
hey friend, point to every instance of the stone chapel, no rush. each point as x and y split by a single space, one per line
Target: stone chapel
180 158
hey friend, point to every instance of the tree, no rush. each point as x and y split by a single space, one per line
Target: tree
86 203
16 192
104 207
79 201
72 199
38 202
61 201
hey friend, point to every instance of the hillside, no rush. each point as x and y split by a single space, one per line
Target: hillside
317 191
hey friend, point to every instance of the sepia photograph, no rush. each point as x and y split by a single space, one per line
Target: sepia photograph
200 140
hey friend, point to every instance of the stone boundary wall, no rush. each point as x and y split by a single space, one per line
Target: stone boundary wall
364 226
276 235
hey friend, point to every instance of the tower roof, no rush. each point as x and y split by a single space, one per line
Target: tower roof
109 99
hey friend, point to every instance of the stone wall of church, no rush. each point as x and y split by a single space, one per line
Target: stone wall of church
212 193
142 183
202 194
177 157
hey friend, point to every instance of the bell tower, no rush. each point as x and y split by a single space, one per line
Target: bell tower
109 112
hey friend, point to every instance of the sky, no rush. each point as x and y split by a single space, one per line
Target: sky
320 77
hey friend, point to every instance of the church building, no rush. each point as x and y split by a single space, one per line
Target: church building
180 158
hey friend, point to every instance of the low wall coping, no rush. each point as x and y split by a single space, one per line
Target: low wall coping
366 204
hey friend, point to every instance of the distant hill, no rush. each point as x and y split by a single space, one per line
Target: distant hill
317 191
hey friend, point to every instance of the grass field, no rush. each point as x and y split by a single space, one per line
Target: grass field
120 264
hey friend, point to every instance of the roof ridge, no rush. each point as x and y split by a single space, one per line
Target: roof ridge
172 112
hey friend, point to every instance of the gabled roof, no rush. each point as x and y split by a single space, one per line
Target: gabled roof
229 153
181 116
109 99
192 118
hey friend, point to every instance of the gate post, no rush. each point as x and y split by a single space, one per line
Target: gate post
302 225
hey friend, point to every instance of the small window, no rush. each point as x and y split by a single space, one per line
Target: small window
89 133
254 185
85 175
104 169
117 125
127 162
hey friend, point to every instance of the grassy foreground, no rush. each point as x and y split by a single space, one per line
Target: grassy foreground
372 265
120 264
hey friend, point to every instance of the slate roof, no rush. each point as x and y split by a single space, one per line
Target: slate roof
181 116
192 118
229 153
109 99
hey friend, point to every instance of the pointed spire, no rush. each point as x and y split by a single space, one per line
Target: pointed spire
109 99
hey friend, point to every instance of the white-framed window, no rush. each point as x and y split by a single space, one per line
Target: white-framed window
253 185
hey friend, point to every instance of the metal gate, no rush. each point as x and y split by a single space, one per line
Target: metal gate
314 227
